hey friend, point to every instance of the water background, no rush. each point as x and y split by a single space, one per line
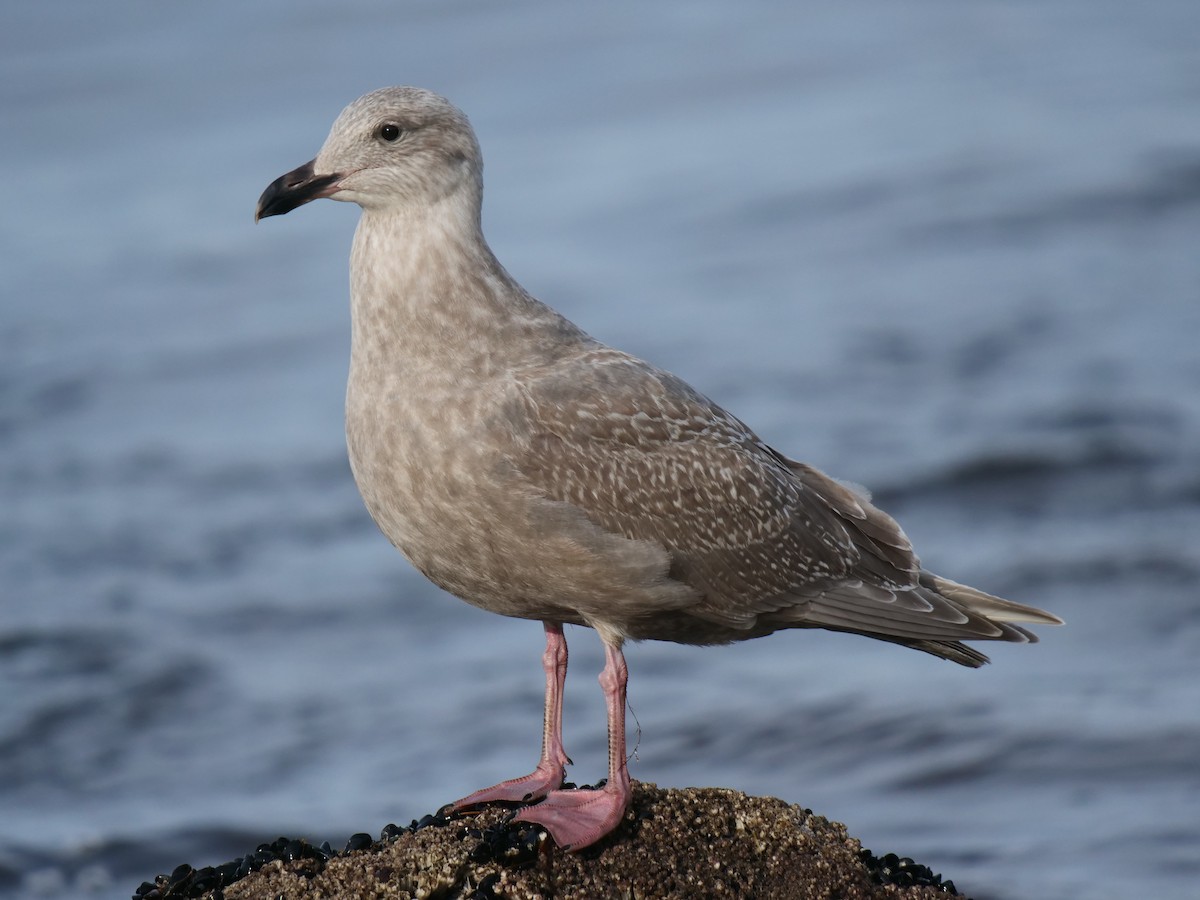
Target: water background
948 250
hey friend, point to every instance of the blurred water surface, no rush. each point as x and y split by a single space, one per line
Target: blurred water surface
945 250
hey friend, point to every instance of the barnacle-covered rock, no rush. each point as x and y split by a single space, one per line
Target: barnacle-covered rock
696 842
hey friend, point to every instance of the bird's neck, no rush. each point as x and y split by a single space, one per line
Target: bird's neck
426 291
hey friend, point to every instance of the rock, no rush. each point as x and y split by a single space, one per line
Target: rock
697 842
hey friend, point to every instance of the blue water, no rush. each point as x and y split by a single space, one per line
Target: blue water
948 250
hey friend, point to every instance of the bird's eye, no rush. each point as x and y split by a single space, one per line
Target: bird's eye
389 132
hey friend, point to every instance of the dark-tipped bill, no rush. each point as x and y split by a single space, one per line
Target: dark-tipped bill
296 188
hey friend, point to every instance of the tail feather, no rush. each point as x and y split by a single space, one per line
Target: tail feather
952 650
987 605
934 616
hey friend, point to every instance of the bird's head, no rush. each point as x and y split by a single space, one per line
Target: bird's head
393 148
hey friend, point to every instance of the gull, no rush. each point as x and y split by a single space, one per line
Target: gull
535 472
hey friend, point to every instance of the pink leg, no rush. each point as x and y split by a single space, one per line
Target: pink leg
550 769
576 819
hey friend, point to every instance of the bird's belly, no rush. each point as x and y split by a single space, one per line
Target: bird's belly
417 487
438 495
448 499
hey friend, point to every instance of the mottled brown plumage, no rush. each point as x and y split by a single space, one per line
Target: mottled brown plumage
534 472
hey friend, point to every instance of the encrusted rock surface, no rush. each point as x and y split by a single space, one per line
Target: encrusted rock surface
698 842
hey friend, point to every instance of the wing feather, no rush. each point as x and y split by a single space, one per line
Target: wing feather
644 455
765 542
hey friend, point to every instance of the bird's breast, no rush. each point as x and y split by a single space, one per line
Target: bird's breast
433 464
415 457
431 474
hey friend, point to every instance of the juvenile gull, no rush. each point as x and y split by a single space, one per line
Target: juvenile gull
534 472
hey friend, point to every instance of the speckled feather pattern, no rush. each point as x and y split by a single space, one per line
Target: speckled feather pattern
535 472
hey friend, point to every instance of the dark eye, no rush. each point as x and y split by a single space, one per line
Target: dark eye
389 132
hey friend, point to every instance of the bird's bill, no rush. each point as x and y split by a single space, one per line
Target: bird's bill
296 188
